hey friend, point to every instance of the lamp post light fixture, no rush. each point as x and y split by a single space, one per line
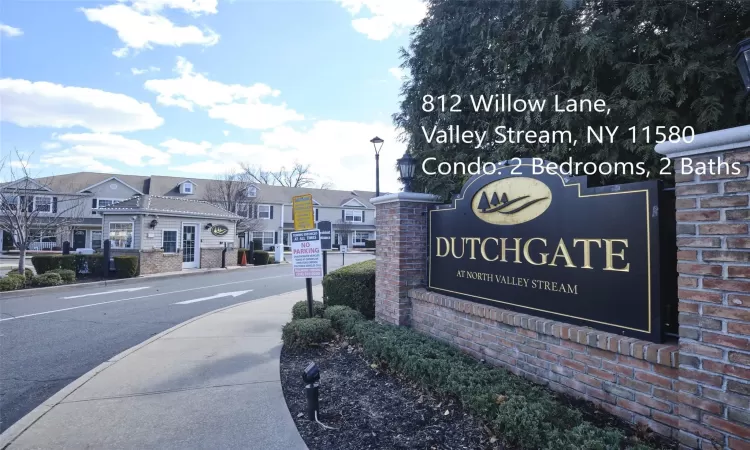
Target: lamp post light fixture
406 166
742 59
377 144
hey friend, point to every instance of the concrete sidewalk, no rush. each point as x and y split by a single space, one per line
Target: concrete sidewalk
211 382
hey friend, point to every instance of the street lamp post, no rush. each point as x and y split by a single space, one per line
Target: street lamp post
742 59
377 143
406 166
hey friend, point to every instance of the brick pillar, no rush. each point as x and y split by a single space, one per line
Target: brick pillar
714 292
401 255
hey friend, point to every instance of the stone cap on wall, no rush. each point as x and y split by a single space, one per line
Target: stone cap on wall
714 141
661 354
414 197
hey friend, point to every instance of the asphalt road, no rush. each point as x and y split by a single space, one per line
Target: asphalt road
48 340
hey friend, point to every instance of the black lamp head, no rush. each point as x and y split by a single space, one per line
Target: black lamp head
311 374
742 60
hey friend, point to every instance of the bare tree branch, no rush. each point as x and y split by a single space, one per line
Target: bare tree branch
230 191
299 176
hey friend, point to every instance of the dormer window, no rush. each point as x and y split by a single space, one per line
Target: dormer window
186 188
252 191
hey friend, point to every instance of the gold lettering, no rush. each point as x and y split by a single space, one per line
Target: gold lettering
587 250
482 249
453 248
517 250
447 247
610 254
562 251
528 257
473 241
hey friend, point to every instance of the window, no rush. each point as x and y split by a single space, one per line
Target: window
43 204
121 234
252 191
96 240
361 236
352 215
10 202
186 188
103 203
264 211
243 209
266 236
169 241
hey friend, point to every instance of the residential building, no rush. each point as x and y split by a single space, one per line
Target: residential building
265 210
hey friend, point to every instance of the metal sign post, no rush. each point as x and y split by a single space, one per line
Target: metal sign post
304 219
325 242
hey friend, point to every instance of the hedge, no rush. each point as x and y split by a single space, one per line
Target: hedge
299 310
524 414
47 279
28 273
307 332
369 243
261 257
12 282
258 244
126 266
353 286
86 265
68 276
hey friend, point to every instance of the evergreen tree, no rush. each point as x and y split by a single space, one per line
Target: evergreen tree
484 205
495 201
654 62
504 199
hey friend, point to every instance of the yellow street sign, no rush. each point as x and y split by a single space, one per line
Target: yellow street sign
302 211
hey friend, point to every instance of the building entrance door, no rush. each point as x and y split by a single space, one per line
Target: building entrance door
79 239
190 248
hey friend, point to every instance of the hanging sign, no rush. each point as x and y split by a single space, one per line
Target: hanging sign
302 212
307 256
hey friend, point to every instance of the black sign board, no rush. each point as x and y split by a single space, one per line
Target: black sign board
548 245
325 234
219 230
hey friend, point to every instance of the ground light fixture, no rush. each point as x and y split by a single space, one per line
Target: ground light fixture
742 59
377 144
311 377
406 166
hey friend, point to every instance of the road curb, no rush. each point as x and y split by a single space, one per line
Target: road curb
71 287
23 424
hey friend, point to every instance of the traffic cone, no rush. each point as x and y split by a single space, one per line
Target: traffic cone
244 259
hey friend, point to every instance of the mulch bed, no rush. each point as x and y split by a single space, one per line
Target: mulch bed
371 409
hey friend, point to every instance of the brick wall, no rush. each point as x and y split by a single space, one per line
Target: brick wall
632 379
401 259
211 257
156 261
714 292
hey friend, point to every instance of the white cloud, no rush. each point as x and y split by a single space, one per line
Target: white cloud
94 147
10 31
386 17
144 28
43 104
194 7
226 132
338 152
137 71
399 73
50 145
69 160
236 104
177 147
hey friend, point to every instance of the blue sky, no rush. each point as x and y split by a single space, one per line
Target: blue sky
194 87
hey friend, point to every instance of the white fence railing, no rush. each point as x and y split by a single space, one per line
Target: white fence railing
42 245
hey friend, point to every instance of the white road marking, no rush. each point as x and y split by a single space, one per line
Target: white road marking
225 294
142 296
108 292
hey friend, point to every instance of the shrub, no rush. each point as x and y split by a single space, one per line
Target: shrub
261 257
369 243
126 266
527 415
47 279
307 332
299 310
89 265
28 273
343 318
353 286
258 244
67 262
45 263
271 259
68 276
12 282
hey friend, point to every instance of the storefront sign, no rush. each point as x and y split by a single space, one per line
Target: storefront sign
219 230
302 212
551 246
325 234
307 256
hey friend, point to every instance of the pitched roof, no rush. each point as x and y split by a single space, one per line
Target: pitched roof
77 181
156 204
